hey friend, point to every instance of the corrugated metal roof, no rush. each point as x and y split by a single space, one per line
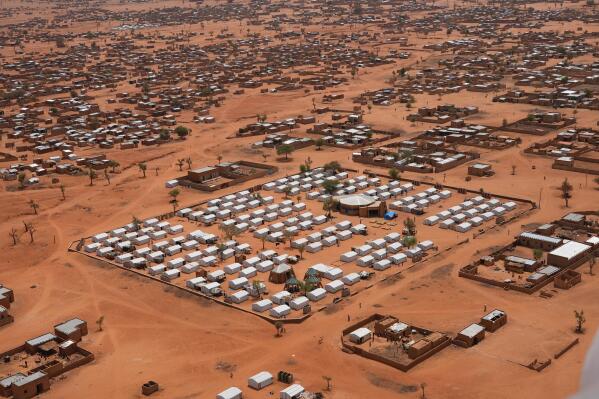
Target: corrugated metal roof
540 237
42 339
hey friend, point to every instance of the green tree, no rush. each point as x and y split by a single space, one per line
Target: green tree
181 131
285 149
174 193
408 241
537 253
180 163
305 286
332 166
229 231
329 205
394 174
330 186
319 143
410 226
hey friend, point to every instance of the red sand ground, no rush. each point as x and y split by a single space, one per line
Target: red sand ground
195 348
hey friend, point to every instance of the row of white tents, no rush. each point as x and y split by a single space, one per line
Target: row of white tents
470 213
382 253
420 200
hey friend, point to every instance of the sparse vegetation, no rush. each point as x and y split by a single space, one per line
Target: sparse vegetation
143 167
566 191
34 206
394 174
580 320
174 193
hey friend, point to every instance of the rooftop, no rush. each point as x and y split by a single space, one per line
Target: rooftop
356 200
472 330
570 249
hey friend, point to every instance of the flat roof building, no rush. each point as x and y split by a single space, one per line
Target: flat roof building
470 335
568 253
494 320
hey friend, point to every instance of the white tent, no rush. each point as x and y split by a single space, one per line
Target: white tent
334 286
280 311
230 393
316 294
365 261
291 392
351 278
349 256
260 380
382 264
239 296
262 305
299 302
360 335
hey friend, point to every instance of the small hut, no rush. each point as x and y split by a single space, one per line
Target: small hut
281 273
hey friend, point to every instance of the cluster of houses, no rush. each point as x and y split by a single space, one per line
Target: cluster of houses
571 149
384 97
222 175
392 341
6 298
475 333
449 80
275 140
442 113
559 98
401 345
539 123
36 364
480 136
419 156
554 257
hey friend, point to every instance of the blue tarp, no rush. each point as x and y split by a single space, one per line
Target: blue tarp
390 215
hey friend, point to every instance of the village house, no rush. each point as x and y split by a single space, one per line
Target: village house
39 360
